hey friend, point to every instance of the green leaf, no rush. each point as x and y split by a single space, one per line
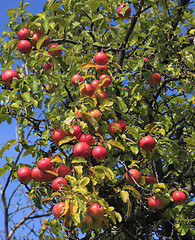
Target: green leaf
79 160
135 192
27 96
7 146
45 134
4 169
84 181
118 216
11 42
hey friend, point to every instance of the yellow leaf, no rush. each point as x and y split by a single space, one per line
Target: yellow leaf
116 144
56 158
89 75
66 207
135 192
129 207
51 172
70 179
124 196
118 216
162 132
88 65
73 207
79 169
43 226
110 209
56 194
66 140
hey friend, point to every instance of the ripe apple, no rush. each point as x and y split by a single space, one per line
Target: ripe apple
135 174
62 170
101 58
81 149
76 79
155 78
58 183
58 135
94 83
96 114
107 81
88 220
101 69
36 175
87 138
8 76
24 46
123 125
50 90
179 197
54 52
147 143
112 130
47 177
101 95
44 164
58 209
24 174
146 60
150 179
35 39
23 33
77 132
127 12
40 31
155 203
46 41
99 153
80 115
96 210
87 90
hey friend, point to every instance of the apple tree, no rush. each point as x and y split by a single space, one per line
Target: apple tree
107 91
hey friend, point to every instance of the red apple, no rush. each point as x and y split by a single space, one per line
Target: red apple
147 143
35 39
101 69
58 209
146 60
99 153
36 175
81 149
127 12
155 203
179 197
123 124
40 31
24 174
23 33
155 78
94 83
107 81
58 135
101 58
77 132
24 46
150 179
101 95
47 177
87 138
8 76
54 52
46 41
114 128
87 90
58 183
135 174
96 210
44 164
63 170
96 114
76 79
88 220
80 115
